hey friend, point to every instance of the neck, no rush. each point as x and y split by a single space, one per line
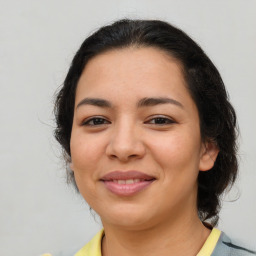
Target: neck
183 236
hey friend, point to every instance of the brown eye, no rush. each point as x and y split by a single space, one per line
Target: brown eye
96 121
161 121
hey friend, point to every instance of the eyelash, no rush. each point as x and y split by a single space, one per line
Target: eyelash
165 119
103 121
87 122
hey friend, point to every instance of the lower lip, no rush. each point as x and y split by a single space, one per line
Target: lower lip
127 189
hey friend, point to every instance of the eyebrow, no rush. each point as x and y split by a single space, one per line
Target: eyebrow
95 102
144 102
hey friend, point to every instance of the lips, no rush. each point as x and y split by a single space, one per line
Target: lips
126 183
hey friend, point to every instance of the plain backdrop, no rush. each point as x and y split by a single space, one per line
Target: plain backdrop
39 213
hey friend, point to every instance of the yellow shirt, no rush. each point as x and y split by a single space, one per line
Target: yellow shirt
93 248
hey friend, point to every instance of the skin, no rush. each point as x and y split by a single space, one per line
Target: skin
161 219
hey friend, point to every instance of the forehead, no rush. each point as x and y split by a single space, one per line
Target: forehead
141 70
131 59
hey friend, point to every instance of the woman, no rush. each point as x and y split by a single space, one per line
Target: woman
150 139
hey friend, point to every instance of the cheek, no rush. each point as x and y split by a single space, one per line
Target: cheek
178 157
85 151
84 154
177 152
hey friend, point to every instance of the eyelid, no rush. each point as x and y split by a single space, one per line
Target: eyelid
86 121
169 119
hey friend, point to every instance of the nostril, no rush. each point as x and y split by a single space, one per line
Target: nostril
113 156
133 155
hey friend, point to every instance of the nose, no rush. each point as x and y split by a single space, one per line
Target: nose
126 143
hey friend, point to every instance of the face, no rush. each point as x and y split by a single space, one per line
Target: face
136 148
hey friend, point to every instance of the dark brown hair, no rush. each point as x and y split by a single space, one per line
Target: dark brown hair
217 116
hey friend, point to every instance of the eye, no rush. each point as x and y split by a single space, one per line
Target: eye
161 121
95 121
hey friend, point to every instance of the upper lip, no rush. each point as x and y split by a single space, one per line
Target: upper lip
126 175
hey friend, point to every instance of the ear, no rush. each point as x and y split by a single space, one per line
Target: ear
209 153
71 166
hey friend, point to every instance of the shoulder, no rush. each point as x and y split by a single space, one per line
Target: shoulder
228 247
70 252
93 248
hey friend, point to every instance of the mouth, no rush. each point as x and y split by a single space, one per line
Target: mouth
127 183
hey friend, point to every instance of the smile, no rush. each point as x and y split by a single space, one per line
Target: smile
126 183
131 181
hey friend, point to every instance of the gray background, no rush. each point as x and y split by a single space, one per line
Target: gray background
39 212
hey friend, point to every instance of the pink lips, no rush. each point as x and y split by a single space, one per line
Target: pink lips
126 183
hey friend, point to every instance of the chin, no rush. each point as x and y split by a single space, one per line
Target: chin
127 217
